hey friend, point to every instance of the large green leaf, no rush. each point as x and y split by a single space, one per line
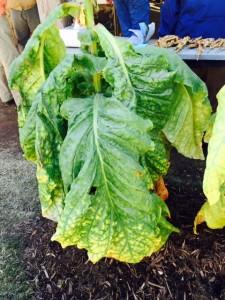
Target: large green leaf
214 177
73 76
161 87
213 211
42 142
42 54
108 209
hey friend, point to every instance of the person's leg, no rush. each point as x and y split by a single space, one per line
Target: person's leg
5 94
20 26
8 54
139 12
123 16
32 17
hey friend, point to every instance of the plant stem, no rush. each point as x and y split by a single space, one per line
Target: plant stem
89 14
89 17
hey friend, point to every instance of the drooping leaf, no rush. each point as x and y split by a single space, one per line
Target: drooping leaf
160 86
187 123
73 76
214 177
108 209
42 54
213 215
213 211
42 143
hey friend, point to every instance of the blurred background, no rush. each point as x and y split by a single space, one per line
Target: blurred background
105 15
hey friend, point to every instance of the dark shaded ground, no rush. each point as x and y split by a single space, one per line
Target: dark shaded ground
188 267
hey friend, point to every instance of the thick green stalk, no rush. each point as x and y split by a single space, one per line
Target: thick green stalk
89 14
89 18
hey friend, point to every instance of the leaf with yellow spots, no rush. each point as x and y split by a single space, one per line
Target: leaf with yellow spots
108 208
213 211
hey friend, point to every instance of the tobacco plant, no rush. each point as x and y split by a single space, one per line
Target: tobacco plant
99 126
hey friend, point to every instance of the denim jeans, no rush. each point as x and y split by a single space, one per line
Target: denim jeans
24 23
130 13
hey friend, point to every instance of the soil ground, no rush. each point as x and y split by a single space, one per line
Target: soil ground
18 203
32 267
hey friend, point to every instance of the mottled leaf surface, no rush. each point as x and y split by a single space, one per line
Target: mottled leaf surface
108 209
160 87
43 52
73 76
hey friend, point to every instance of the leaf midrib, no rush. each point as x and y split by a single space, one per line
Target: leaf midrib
95 131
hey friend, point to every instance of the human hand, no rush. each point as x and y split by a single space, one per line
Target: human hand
109 1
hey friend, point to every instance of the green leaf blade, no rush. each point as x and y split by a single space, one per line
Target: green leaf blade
108 209
214 177
43 52
213 215
51 127
213 210
160 87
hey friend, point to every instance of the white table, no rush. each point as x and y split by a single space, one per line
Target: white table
186 53
191 54
73 50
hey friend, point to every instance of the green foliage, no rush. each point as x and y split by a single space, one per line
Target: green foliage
107 186
213 211
97 126
43 53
